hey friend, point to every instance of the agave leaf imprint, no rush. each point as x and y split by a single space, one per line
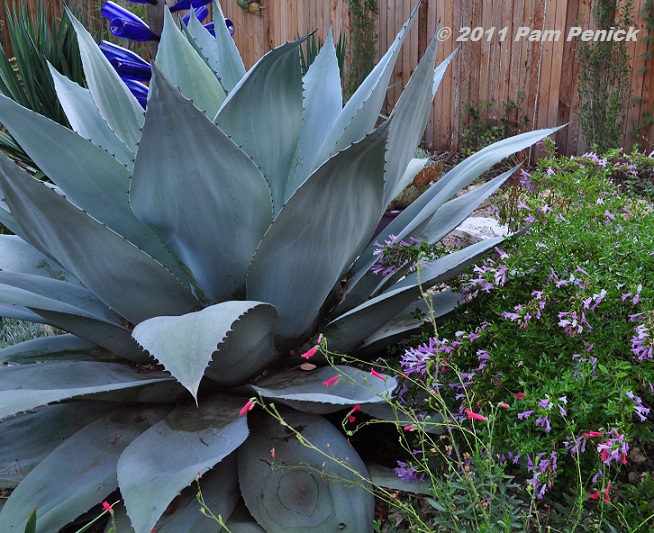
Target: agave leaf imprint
296 497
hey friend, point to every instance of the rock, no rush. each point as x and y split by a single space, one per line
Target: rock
475 229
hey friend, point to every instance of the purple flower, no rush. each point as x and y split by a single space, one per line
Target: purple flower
545 422
408 473
525 414
614 449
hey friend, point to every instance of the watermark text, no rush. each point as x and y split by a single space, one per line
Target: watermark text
525 33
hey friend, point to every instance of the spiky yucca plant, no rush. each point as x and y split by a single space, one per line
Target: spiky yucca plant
216 235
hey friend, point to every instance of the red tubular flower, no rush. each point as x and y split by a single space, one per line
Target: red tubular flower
373 372
504 405
331 381
592 434
106 506
310 353
474 416
247 407
519 395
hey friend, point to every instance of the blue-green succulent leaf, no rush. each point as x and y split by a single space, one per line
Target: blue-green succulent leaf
323 101
19 257
185 344
361 112
132 282
220 52
26 387
383 476
57 347
263 115
113 99
185 69
25 440
77 474
420 211
411 113
208 202
346 196
348 331
166 458
307 391
85 118
89 177
307 491
220 492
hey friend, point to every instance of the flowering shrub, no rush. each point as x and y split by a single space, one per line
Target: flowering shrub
554 349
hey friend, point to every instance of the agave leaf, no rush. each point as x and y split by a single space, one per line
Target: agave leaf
406 324
307 392
349 330
383 476
68 159
18 256
346 196
230 64
305 490
19 313
85 118
164 459
182 65
220 492
114 101
361 112
58 347
199 199
322 104
25 387
414 166
420 211
78 473
27 439
268 99
115 338
412 111
132 282
185 344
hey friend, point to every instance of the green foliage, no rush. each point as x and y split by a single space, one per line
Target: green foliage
192 256
482 126
363 39
604 77
546 375
36 40
311 47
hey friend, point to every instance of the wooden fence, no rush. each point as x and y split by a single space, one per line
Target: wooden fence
541 76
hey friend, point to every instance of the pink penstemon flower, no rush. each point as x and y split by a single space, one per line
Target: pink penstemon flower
376 374
309 353
474 416
331 381
519 395
107 506
249 405
350 416
593 434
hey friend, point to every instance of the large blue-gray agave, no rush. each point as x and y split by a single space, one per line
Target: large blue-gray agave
218 233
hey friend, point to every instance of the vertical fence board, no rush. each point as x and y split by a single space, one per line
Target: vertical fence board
486 70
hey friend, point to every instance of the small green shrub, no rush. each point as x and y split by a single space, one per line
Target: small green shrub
547 374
